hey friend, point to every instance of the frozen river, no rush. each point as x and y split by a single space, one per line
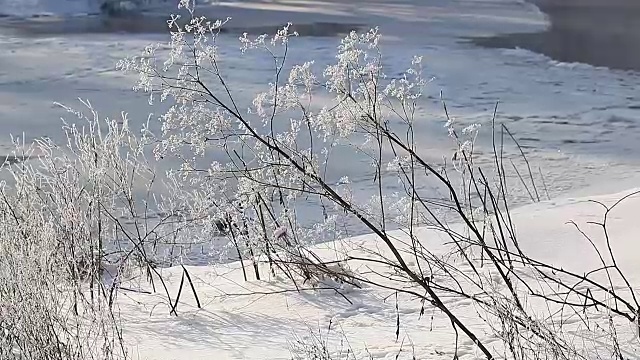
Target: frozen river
580 124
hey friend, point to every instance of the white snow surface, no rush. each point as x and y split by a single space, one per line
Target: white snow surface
256 320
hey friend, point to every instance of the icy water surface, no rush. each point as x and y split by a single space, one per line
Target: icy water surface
578 123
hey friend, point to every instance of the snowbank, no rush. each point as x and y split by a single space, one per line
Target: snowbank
262 319
404 19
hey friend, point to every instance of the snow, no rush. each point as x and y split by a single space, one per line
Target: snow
256 320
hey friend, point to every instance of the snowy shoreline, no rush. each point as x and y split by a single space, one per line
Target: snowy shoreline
238 314
396 19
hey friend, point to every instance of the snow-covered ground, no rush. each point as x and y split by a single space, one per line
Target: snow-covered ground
261 320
